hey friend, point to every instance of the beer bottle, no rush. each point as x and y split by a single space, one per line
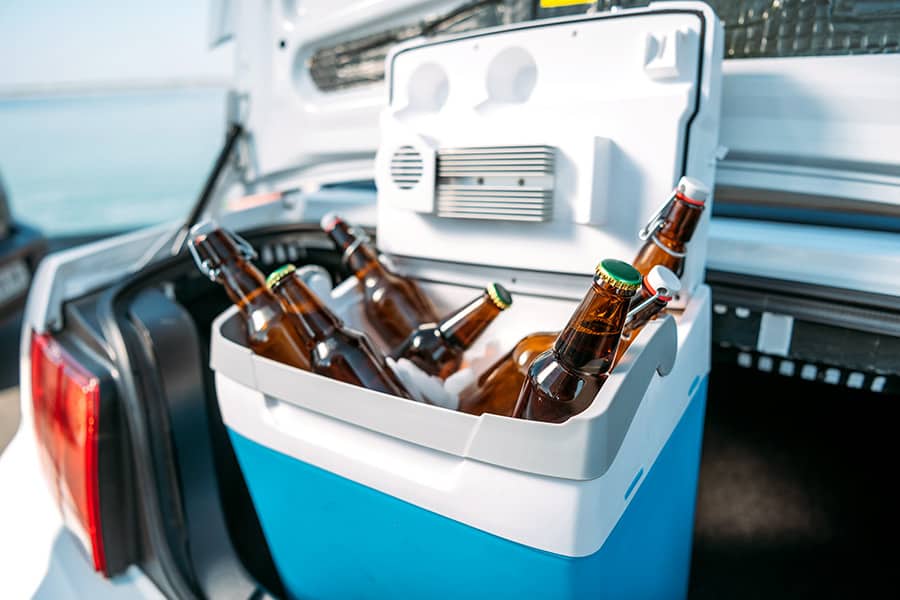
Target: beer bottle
225 259
563 381
658 288
437 348
334 350
394 305
496 390
671 228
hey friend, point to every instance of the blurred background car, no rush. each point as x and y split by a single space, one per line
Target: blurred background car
21 248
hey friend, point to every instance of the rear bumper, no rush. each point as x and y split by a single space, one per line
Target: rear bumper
39 558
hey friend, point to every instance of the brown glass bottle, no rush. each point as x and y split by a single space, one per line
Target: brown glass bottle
225 259
334 350
563 381
496 390
437 348
669 232
394 305
658 288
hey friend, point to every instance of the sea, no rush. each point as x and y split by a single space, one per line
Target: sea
96 163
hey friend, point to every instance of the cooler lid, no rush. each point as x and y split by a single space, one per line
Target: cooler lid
548 145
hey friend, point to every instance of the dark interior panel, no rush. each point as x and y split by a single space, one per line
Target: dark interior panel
791 501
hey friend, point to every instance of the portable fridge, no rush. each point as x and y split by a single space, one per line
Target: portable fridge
521 155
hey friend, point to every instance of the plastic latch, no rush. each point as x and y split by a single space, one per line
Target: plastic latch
657 220
662 55
207 268
361 238
631 313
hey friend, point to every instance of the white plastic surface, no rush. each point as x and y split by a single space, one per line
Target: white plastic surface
582 448
644 84
294 125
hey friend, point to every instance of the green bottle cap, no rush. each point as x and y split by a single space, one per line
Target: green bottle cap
619 274
499 295
279 275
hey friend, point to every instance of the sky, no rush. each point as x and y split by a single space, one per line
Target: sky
82 41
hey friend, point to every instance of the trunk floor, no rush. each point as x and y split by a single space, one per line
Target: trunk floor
792 500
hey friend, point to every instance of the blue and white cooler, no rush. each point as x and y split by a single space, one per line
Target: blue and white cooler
521 155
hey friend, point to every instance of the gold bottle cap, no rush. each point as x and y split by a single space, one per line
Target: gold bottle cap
619 274
499 295
279 275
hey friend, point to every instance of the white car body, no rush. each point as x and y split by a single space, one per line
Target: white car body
813 126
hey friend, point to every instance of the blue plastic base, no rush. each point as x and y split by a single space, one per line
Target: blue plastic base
333 538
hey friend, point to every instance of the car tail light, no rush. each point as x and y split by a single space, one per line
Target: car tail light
66 399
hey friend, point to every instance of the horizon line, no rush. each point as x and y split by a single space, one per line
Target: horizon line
65 88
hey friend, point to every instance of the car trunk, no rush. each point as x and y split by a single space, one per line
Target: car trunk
782 509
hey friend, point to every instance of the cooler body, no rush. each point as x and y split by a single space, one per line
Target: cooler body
365 495
334 538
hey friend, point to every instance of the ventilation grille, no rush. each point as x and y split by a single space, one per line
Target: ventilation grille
406 167
510 183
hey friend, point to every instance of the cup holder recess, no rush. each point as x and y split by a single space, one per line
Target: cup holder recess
427 89
511 77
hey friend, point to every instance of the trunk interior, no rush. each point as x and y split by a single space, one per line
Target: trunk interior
788 503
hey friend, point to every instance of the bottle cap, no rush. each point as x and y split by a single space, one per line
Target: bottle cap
329 221
662 278
279 275
619 274
499 295
692 191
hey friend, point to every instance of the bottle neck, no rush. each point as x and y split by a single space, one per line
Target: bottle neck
641 295
679 225
319 323
360 256
587 344
246 286
463 327
645 313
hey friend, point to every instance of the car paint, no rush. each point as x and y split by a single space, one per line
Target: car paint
39 557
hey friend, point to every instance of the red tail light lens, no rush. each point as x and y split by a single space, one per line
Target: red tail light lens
66 399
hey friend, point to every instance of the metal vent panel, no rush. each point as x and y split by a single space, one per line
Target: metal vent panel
406 167
510 183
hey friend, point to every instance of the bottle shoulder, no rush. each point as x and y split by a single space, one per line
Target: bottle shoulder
549 375
531 346
341 345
